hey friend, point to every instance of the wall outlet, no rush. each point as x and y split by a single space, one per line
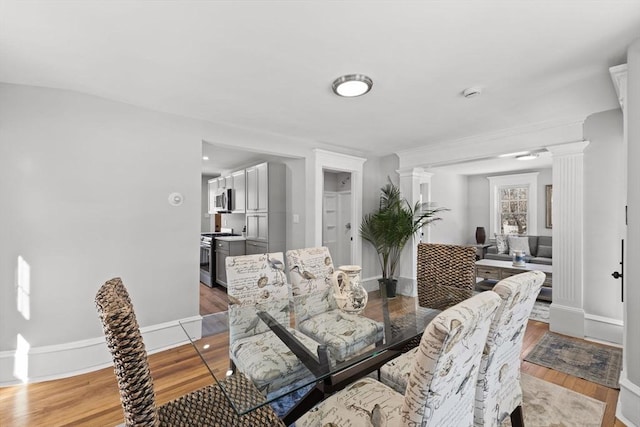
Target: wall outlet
296 218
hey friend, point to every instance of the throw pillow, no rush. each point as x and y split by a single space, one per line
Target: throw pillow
545 251
502 244
519 243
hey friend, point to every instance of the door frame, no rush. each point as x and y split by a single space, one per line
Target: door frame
339 162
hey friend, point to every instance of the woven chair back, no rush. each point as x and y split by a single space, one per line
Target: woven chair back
127 349
446 274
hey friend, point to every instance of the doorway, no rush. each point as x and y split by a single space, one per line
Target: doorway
336 216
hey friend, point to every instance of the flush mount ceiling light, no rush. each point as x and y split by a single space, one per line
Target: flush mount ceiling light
205 157
529 156
472 92
352 85
518 153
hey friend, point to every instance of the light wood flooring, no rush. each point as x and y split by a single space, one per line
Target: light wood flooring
92 399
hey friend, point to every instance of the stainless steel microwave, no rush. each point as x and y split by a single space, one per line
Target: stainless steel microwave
224 200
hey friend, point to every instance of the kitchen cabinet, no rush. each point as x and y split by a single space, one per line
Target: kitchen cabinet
266 207
225 248
239 193
254 247
213 184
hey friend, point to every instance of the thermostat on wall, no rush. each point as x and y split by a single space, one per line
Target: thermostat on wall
175 199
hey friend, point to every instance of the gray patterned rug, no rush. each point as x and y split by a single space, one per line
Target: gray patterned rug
547 404
594 362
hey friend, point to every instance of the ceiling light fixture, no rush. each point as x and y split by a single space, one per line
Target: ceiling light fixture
205 157
352 85
519 153
529 156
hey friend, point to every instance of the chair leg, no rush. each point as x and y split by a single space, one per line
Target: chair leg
517 418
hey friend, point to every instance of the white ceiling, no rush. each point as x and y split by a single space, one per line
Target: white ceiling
268 65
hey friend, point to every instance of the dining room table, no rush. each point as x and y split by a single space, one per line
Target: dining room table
403 321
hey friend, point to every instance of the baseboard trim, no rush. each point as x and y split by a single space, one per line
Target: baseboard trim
58 361
628 407
604 329
566 320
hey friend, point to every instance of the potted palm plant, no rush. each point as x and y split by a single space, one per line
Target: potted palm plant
391 227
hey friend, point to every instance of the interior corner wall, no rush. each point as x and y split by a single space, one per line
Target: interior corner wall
450 191
295 182
604 216
85 185
205 216
376 172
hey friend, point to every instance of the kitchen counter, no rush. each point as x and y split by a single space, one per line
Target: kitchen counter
231 238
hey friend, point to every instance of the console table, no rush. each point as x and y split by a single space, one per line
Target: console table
491 271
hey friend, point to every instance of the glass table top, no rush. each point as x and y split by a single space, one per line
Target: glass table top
401 319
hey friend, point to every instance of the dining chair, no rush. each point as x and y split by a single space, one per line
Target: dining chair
498 392
258 283
206 406
315 311
445 274
442 381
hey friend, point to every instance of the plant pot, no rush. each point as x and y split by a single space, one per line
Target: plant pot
481 235
390 286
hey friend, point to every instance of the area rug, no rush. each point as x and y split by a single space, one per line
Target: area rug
596 363
547 404
540 311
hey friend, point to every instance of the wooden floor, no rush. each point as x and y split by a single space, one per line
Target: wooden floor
92 399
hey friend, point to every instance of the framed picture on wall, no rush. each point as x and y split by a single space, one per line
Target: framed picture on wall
549 205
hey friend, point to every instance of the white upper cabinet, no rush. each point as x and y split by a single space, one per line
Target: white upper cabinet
239 191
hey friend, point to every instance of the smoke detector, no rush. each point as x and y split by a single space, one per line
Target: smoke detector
472 92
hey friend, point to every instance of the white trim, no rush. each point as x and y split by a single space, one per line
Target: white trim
521 179
605 329
343 163
628 408
566 320
52 362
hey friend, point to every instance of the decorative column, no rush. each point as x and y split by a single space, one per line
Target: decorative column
411 181
567 312
628 88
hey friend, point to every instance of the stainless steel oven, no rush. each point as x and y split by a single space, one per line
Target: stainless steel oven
207 262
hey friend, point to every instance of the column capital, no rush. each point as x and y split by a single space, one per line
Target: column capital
568 148
414 172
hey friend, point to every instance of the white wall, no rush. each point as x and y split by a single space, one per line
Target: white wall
478 190
376 172
604 200
295 178
206 223
450 191
84 185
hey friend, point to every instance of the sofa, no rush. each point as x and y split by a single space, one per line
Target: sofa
539 246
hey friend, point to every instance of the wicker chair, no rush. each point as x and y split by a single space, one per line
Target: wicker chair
207 406
446 274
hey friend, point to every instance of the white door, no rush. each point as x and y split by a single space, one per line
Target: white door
329 222
344 230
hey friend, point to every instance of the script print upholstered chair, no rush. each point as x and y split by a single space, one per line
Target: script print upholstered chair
206 406
258 283
442 381
445 274
498 393
315 310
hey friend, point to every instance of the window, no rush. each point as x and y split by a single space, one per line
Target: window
512 204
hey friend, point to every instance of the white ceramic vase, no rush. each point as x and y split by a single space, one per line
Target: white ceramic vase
350 295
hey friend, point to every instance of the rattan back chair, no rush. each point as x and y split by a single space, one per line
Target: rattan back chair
207 406
446 274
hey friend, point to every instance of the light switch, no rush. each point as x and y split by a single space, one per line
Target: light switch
296 218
